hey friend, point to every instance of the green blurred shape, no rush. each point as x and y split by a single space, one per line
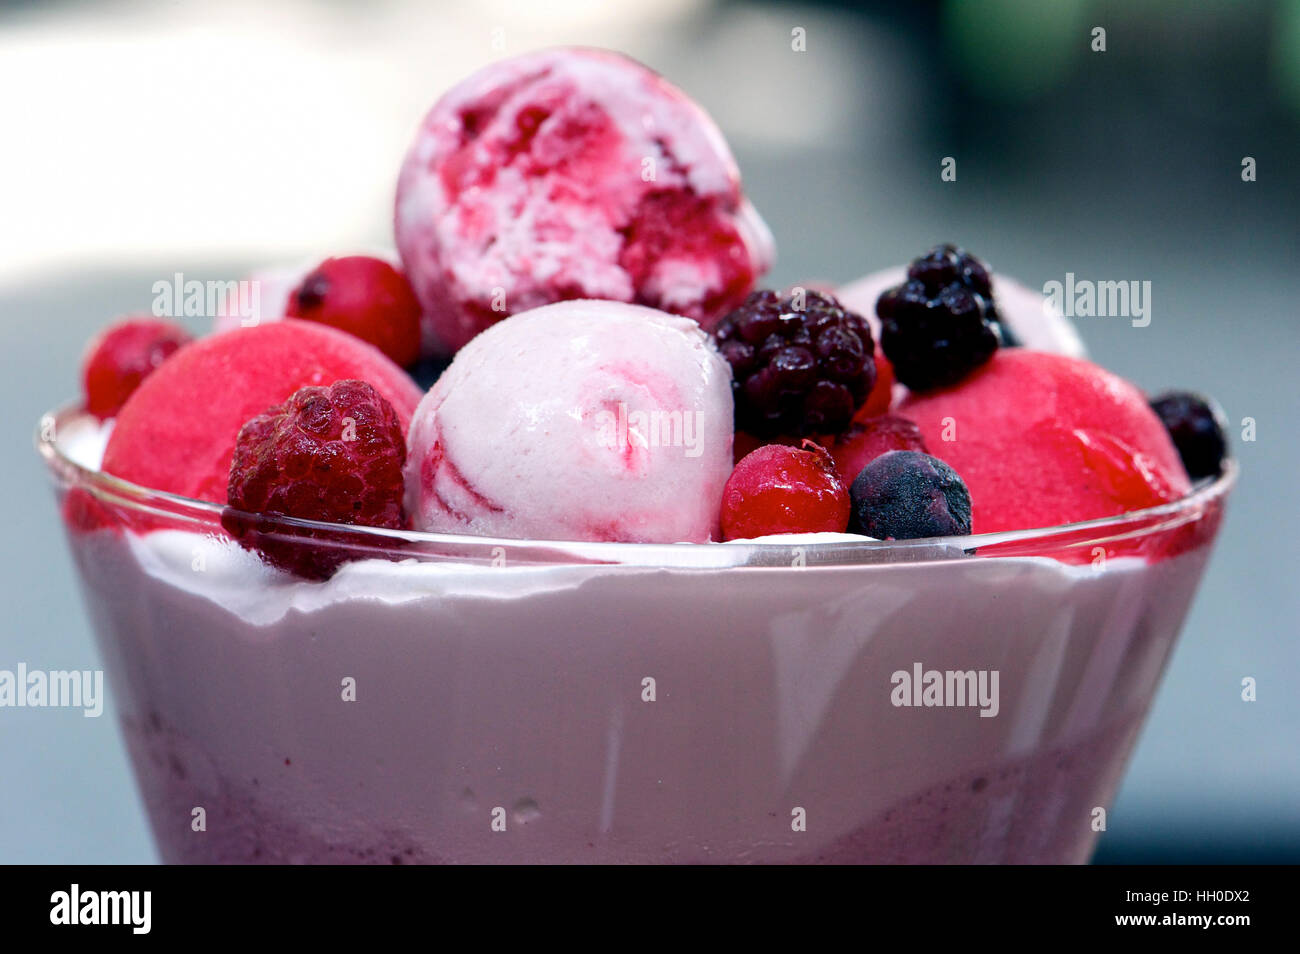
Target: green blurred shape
1286 53
1015 49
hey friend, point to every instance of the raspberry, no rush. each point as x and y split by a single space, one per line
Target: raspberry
1198 428
123 355
866 440
329 454
365 297
941 323
780 489
907 495
796 371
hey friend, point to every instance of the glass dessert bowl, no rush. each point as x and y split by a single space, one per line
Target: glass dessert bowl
449 698
484 618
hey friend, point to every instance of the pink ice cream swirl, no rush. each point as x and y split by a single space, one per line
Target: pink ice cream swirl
582 420
568 174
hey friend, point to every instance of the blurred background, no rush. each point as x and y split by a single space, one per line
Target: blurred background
145 138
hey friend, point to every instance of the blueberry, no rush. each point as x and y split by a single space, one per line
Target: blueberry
1198 428
907 495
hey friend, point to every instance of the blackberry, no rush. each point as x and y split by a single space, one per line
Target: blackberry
796 370
1198 428
942 323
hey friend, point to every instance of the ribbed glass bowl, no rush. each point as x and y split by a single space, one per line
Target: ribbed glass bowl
448 698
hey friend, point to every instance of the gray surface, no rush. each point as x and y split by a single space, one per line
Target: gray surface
1093 191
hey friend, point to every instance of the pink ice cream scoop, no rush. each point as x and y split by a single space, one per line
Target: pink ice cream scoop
566 174
581 420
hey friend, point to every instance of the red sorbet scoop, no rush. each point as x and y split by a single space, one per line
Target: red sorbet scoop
177 431
1041 439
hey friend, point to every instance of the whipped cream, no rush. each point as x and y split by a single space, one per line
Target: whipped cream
83 439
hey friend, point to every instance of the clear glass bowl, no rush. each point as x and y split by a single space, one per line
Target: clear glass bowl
447 698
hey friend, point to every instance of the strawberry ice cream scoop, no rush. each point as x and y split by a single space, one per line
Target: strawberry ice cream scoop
582 420
1043 439
567 174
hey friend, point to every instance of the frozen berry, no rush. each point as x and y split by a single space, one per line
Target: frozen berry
123 355
882 392
780 489
1198 428
329 454
798 366
907 495
746 443
366 297
866 440
941 323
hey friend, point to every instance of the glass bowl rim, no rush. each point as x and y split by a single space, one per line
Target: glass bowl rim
70 472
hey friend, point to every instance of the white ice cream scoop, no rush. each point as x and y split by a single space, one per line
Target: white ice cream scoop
580 420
